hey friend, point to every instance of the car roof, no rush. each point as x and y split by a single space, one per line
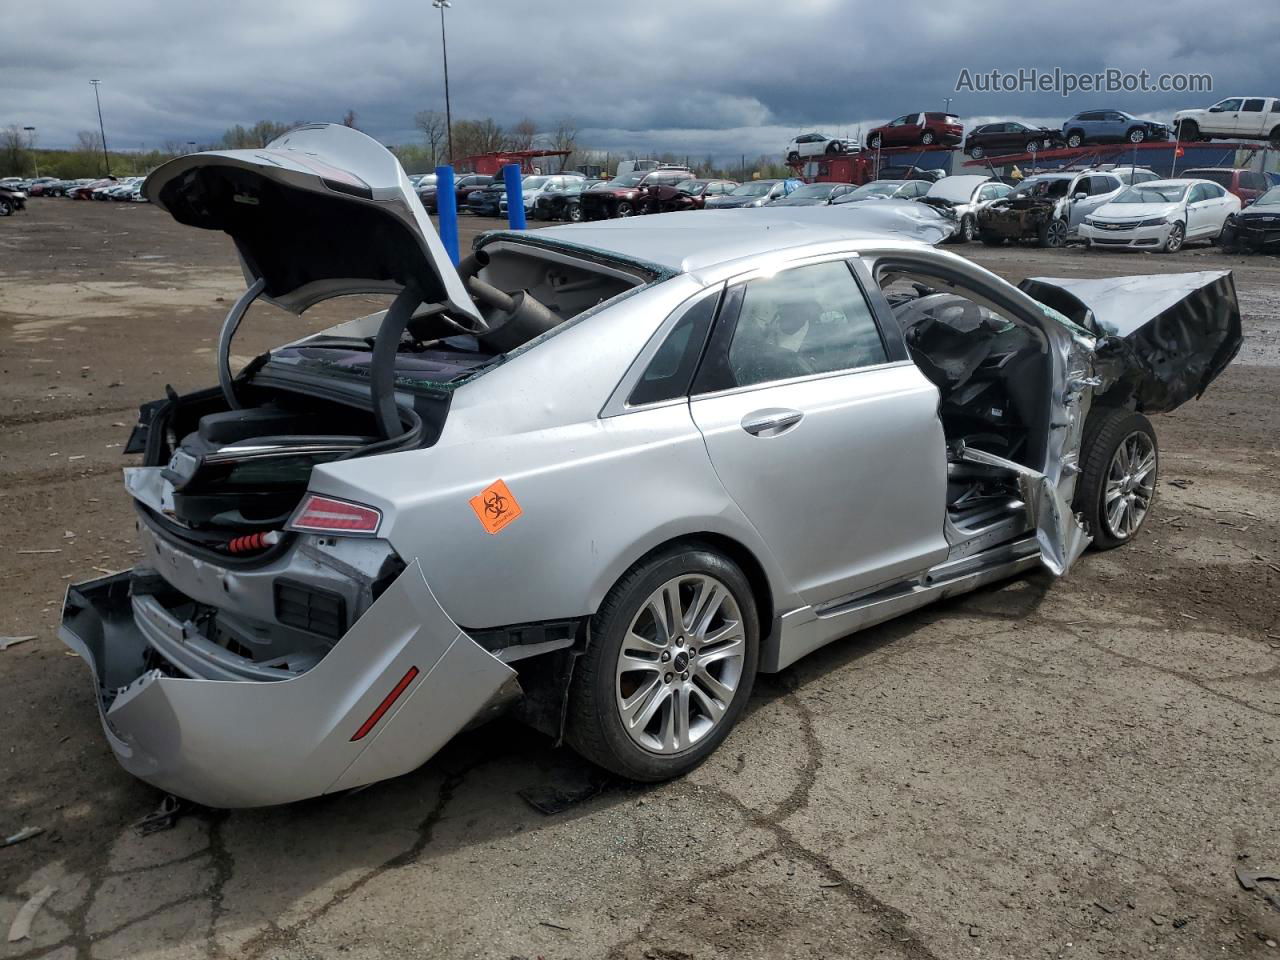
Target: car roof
1221 169
690 241
1179 182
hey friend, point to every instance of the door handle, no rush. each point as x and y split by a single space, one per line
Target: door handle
770 423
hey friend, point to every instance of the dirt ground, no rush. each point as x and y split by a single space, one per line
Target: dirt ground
1044 769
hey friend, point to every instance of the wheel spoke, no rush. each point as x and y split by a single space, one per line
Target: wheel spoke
630 664
639 710
680 719
713 708
636 641
713 687
1115 515
710 598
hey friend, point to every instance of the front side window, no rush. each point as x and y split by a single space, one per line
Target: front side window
1228 105
804 321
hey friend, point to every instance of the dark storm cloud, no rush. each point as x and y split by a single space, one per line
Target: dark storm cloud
713 77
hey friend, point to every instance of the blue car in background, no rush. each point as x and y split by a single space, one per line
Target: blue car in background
1111 126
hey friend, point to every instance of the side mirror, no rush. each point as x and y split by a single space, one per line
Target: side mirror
1215 109
1081 196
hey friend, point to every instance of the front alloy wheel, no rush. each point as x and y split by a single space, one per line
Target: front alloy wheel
927 138
669 665
1137 135
1120 463
1173 243
1074 140
1056 234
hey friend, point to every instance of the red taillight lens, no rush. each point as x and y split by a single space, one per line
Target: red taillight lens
326 515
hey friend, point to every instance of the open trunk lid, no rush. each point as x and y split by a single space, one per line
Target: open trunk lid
1165 337
323 211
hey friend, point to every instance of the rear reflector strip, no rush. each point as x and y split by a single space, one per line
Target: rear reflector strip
385 705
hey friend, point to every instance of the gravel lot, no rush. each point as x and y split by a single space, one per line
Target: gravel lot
1045 769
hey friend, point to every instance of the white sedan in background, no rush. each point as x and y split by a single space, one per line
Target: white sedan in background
1160 215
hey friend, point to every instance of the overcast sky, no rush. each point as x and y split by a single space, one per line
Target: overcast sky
700 77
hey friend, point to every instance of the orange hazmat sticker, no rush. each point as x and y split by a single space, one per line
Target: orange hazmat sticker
495 506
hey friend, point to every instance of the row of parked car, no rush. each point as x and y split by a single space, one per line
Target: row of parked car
1234 118
103 188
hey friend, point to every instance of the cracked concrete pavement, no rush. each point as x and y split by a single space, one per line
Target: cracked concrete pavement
1042 769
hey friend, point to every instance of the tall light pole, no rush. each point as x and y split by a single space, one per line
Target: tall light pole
443 5
101 129
31 147
948 100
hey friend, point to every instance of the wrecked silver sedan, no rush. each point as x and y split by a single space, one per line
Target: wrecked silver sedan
598 475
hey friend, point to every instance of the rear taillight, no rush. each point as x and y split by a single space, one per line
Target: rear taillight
319 514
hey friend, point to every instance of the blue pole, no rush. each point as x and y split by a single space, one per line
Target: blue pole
512 177
447 210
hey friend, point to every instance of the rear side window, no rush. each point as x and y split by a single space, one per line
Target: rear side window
1222 177
1254 106
672 367
804 321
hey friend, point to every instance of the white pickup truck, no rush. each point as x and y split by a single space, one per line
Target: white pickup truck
1235 118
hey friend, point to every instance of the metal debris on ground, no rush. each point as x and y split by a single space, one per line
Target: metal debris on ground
1249 880
164 817
7 642
26 833
20 929
551 799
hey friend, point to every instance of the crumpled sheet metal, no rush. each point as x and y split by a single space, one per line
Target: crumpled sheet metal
878 218
1061 537
1165 338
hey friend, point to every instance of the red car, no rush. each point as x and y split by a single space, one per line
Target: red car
685 195
913 129
1248 185
85 191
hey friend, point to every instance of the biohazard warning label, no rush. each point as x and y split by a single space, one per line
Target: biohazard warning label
495 506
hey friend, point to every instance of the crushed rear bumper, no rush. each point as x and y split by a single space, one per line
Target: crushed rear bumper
246 743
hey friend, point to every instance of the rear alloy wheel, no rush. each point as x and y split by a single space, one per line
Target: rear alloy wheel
927 138
669 667
1033 146
625 209
5 208
977 152
1074 139
874 142
1137 135
1121 463
1177 236
575 213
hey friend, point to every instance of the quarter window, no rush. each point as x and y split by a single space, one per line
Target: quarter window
809 320
672 366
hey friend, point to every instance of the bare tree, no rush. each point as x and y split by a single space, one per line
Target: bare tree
13 150
522 134
565 137
431 124
472 137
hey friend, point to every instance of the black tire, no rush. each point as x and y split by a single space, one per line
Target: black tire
977 152
968 230
833 148
874 141
793 157
5 208
1137 135
574 213
1275 138
1189 131
1033 146
1104 430
927 138
1052 234
624 209
594 727
1075 139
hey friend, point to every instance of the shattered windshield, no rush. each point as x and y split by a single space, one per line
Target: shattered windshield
1149 194
1043 188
